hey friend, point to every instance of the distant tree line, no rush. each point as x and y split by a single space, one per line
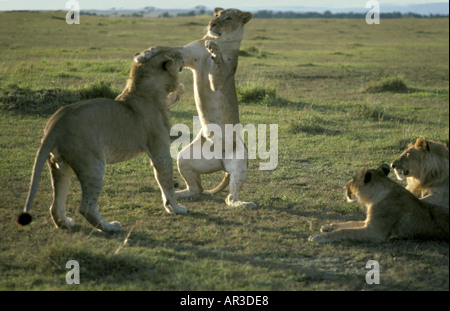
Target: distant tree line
328 14
200 10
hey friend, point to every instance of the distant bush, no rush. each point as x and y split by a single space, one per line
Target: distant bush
390 84
98 89
312 125
256 95
365 112
262 95
252 52
25 100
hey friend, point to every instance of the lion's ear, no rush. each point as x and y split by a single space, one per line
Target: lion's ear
168 63
138 57
365 175
385 169
422 144
216 11
246 17
144 56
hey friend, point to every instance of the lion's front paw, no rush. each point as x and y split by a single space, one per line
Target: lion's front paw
327 228
180 89
175 96
111 227
178 209
318 238
212 47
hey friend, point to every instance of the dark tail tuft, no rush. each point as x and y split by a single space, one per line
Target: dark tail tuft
24 219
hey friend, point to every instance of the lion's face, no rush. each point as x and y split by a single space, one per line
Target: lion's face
426 161
408 163
362 186
227 22
162 62
350 190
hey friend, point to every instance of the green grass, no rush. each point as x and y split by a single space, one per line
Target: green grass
308 76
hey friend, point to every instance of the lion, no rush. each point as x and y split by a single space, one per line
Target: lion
392 212
213 61
424 164
83 137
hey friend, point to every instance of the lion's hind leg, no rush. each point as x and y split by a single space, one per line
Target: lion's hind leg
91 180
61 174
237 168
191 166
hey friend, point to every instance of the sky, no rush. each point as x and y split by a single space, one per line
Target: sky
182 4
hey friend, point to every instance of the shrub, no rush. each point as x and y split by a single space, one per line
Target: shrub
98 89
25 100
252 52
390 84
255 94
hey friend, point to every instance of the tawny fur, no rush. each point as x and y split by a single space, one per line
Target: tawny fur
85 136
425 165
213 61
392 212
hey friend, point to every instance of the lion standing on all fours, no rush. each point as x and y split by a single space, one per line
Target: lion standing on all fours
425 165
83 137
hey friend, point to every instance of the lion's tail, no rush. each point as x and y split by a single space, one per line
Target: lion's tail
44 150
225 181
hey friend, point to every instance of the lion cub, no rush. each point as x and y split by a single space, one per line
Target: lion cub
392 212
85 136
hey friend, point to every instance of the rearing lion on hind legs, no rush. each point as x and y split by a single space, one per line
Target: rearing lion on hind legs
213 61
85 136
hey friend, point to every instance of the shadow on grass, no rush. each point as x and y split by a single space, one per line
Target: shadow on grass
94 267
303 269
167 264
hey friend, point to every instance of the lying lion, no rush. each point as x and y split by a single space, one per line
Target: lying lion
424 164
392 212
85 136
214 60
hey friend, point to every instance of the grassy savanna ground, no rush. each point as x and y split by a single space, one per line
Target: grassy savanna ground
314 73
